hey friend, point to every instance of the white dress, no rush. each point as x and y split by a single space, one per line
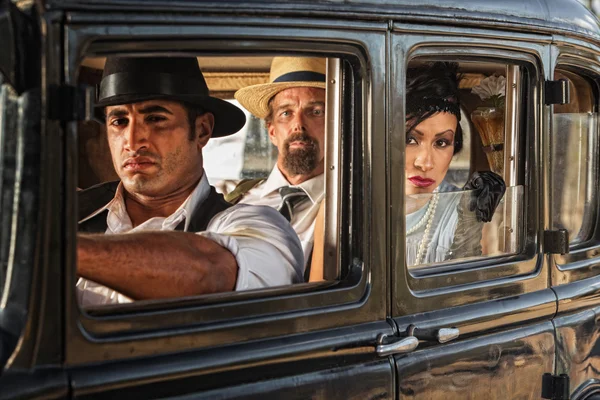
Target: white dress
438 245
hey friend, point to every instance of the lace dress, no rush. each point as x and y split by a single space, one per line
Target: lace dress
432 234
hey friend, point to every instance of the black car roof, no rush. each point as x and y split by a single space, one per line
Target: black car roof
543 15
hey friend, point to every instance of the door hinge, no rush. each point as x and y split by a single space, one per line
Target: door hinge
555 387
68 103
557 92
556 241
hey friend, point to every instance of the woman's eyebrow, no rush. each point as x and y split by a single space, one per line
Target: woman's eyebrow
418 132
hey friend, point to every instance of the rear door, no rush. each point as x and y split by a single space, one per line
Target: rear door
483 321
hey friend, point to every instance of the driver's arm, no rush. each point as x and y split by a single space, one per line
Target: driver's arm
151 265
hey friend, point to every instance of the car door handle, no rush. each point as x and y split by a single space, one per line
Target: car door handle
388 345
441 335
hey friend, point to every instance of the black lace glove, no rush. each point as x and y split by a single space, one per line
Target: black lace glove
489 189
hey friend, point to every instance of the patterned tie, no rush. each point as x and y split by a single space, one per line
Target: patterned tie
290 198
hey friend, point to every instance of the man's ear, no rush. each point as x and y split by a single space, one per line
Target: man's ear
205 124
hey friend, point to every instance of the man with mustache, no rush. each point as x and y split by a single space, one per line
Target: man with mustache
162 231
293 107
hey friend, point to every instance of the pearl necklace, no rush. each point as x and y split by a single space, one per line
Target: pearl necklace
424 218
428 219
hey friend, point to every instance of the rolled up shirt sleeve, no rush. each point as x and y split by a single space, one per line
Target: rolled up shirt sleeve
265 246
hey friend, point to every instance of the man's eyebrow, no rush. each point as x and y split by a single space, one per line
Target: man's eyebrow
289 103
283 105
418 132
117 112
154 109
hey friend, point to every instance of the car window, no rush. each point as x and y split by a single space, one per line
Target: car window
453 179
574 158
249 154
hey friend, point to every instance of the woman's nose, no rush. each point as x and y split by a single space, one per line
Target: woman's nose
424 159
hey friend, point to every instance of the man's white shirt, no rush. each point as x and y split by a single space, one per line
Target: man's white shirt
264 245
305 213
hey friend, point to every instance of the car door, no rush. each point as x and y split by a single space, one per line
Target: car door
483 323
573 211
310 340
30 346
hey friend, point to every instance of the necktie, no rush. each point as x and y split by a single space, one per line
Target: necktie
290 197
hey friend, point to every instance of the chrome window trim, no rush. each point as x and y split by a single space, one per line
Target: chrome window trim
582 261
484 279
358 298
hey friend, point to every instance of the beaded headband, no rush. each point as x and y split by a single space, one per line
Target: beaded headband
427 105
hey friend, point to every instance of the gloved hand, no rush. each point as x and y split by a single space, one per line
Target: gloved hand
488 191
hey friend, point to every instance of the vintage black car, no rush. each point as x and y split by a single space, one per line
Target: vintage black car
519 321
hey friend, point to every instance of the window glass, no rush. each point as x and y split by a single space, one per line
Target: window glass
460 154
251 153
8 99
574 160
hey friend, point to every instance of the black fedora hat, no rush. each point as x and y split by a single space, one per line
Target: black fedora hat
127 80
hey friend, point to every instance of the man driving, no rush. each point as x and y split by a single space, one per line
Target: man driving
162 231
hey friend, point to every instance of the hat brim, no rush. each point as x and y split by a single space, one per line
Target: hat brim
229 119
256 98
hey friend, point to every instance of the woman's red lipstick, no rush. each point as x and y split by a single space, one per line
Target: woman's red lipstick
419 181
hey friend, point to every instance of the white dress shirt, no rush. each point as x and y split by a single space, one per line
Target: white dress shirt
265 247
305 213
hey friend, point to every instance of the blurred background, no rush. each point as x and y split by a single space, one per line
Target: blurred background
593 5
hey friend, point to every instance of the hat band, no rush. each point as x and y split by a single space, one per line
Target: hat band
128 83
301 76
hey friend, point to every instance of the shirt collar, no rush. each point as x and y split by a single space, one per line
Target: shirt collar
314 187
117 204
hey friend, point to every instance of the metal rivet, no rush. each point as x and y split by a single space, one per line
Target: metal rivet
331 167
332 81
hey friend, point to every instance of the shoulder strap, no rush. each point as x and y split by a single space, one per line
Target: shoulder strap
315 269
243 187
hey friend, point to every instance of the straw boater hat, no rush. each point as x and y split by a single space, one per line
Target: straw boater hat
127 80
286 72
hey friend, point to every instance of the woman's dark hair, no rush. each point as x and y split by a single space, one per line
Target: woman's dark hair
433 88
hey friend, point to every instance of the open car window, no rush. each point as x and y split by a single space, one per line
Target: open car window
442 227
249 154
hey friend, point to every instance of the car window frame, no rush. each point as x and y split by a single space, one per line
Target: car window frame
581 261
359 298
480 279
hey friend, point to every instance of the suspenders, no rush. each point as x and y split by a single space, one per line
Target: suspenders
241 189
